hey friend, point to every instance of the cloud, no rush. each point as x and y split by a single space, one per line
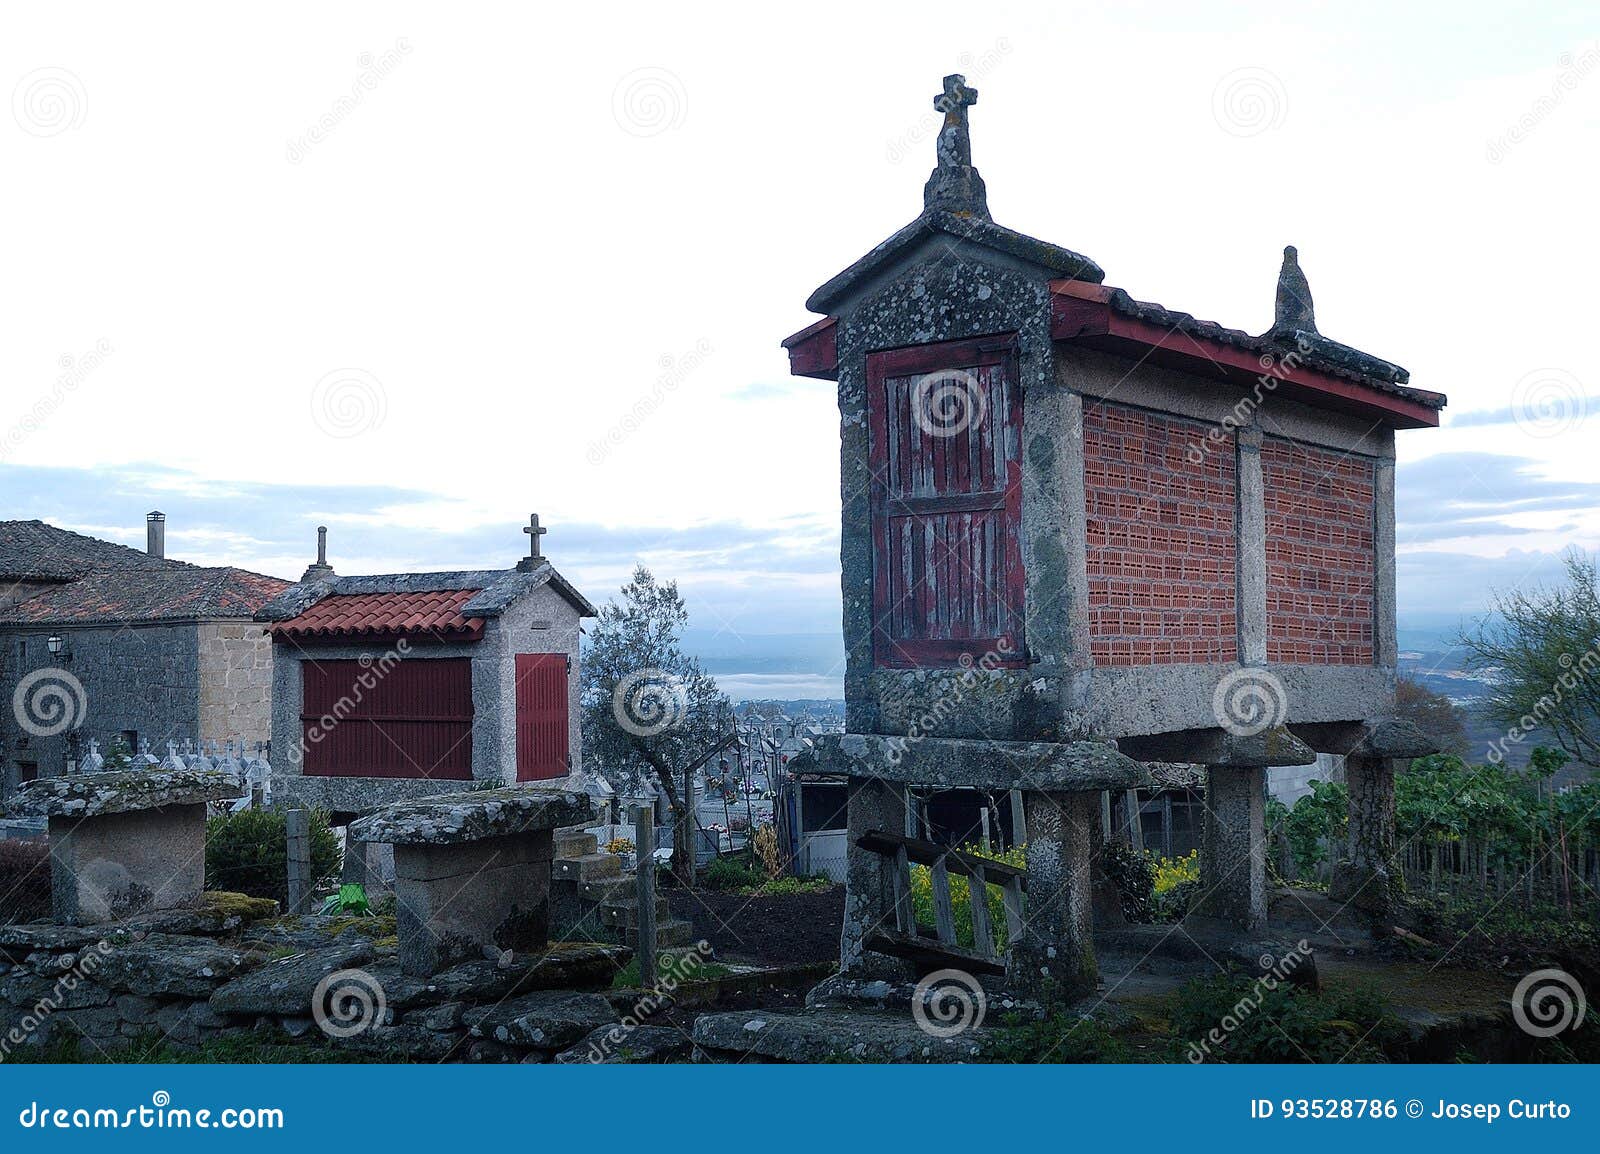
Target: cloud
1469 495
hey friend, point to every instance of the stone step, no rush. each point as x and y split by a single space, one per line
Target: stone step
573 843
624 913
588 867
829 1036
674 932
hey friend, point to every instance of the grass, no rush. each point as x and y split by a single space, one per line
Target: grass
678 967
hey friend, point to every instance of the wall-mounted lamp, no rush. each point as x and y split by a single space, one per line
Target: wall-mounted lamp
58 648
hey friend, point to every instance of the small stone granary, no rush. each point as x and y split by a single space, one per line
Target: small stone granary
125 843
403 685
1072 519
472 871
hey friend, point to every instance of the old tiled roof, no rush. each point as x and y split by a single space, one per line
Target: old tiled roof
434 613
175 593
494 590
36 551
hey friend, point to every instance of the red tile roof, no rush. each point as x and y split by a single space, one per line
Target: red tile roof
357 615
177 593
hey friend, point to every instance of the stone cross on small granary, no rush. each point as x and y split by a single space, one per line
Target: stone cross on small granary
955 138
534 530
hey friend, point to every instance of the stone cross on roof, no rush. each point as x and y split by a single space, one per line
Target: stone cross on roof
955 185
955 138
534 530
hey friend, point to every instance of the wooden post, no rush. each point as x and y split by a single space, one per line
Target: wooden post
298 832
1019 822
687 833
1130 801
644 840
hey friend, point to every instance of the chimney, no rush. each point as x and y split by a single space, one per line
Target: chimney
155 533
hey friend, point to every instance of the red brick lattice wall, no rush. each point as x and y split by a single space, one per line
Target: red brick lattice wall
1321 555
1160 537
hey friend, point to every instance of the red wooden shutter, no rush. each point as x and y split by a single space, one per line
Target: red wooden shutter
945 423
541 716
412 718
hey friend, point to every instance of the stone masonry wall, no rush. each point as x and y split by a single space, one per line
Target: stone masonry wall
235 682
1321 554
1160 539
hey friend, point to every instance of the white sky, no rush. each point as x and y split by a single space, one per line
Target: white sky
510 256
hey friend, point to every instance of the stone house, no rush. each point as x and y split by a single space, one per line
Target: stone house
99 641
401 685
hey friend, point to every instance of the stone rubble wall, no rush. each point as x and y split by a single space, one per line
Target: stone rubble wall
184 977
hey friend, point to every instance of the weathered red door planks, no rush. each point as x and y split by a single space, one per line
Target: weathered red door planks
541 716
945 426
409 719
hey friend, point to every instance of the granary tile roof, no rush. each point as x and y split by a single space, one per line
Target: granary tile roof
37 551
1320 352
176 593
435 614
451 603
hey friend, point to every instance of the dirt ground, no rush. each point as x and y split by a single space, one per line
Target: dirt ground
774 931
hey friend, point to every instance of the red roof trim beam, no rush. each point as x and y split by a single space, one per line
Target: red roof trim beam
357 617
1084 313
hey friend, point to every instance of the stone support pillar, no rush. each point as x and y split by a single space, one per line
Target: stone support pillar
1055 960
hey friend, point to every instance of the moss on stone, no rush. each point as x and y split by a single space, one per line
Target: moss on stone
242 906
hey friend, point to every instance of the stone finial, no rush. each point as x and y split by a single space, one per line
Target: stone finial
1292 312
955 185
319 570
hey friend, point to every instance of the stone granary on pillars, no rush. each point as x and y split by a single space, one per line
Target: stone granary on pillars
409 684
1072 518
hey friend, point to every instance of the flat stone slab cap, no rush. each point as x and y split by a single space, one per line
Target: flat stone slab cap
959 762
123 791
1219 747
1395 737
473 815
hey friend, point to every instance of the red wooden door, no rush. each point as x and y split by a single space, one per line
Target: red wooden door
945 423
541 716
412 719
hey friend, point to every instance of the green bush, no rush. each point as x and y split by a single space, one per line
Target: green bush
24 881
1057 1038
247 852
1135 878
1233 1018
731 873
